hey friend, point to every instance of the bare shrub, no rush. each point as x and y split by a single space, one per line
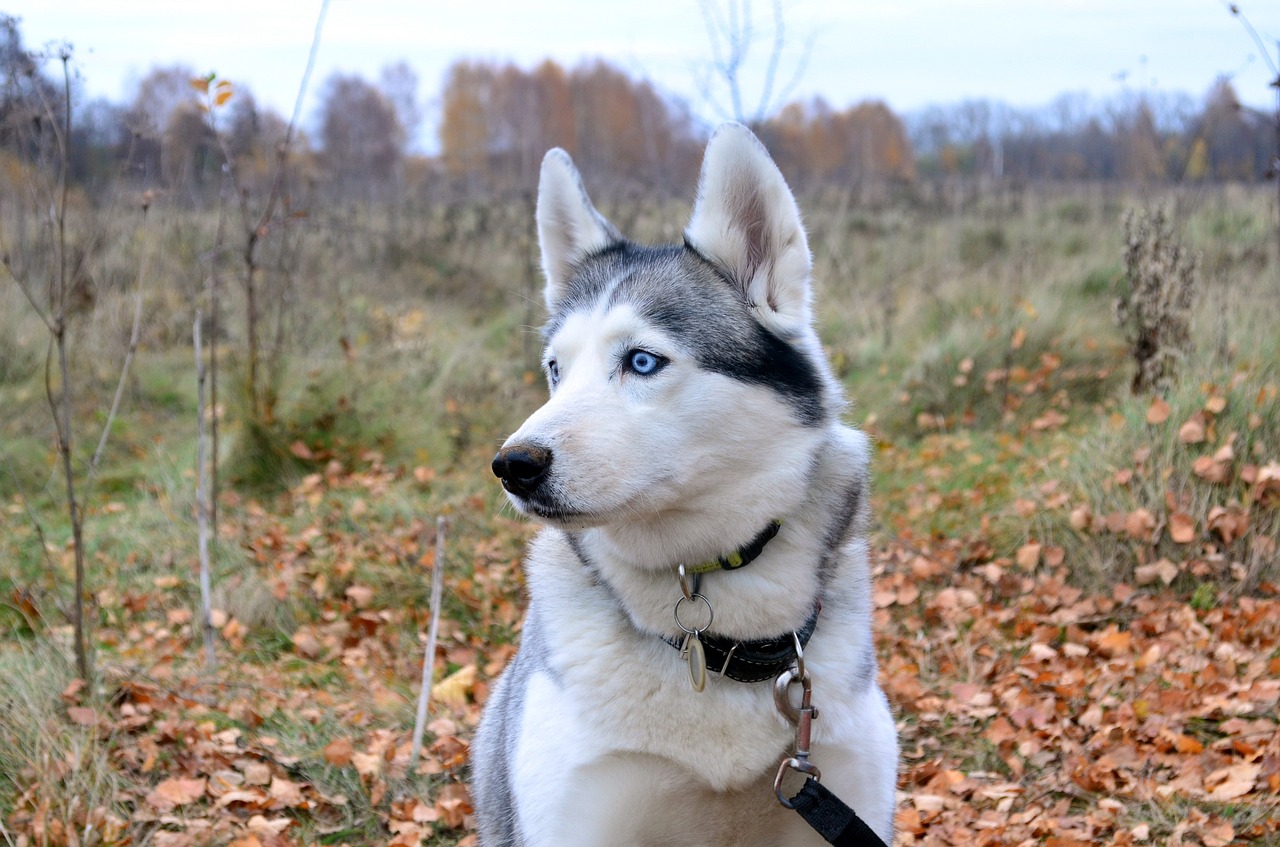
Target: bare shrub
1154 309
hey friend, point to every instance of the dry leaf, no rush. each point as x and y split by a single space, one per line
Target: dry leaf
257 773
82 716
306 644
339 752
286 794
1192 432
1163 570
1140 524
360 595
454 688
1230 783
1182 528
1158 412
1028 556
172 793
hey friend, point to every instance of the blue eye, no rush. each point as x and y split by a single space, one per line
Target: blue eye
643 362
553 372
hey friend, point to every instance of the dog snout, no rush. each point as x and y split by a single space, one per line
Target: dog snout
522 468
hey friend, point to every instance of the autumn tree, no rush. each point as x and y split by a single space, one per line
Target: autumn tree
464 125
398 82
815 144
361 135
499 121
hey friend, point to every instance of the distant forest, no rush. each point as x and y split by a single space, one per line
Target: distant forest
495 121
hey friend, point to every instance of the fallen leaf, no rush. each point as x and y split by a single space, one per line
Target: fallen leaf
82 716
1140 523
454 688
1028 556
1192 432
1182 528
1230 783
1158 412
339 752
286 794
172 793
1163 570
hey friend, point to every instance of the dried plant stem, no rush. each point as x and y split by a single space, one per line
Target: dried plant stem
134 334
428 659
202 503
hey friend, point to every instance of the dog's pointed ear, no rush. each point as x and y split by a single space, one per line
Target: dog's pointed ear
746 221
569 227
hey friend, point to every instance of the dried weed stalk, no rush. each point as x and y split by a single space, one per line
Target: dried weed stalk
1154 305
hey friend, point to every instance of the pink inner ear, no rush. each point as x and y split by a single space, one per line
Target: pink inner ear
751 217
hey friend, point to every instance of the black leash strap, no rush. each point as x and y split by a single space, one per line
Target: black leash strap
831 818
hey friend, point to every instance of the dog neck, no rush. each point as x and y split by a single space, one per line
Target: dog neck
777 593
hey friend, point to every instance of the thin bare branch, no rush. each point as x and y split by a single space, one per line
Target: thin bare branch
1257 38
134 334
428 659
202 503
26 292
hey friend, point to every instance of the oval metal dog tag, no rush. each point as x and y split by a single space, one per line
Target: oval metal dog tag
697 662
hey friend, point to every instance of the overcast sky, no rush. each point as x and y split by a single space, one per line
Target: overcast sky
910 53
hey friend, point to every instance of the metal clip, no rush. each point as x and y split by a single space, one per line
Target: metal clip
802 717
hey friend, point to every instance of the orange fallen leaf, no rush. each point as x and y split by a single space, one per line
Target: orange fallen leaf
339 752
454 804
1163 570
454 688
1192 432
172 793
1230 783
1140 524
285 794
1182 528
1158 412
82 716
306 644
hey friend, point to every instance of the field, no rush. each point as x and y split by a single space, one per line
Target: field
1077 588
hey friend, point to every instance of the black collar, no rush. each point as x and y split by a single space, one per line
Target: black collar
753 661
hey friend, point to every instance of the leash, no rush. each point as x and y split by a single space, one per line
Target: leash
829 816
832 819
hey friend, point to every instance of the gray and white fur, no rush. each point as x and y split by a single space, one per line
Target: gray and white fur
691 404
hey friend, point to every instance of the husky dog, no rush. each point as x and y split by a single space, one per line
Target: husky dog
704 509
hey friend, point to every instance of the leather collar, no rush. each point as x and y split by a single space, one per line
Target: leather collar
753 661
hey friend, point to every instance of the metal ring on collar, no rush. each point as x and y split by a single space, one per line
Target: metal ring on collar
711 615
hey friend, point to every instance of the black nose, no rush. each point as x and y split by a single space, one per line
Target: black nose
522 468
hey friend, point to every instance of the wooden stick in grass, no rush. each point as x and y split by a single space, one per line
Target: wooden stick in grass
202 504
428 660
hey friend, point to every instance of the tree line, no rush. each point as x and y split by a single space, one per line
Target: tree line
495 121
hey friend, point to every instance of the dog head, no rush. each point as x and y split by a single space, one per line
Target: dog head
686 380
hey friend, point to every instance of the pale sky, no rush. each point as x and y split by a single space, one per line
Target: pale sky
910 53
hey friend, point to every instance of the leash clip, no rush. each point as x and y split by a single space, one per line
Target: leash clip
801 717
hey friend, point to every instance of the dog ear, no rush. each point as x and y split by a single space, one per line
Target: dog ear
746 220
569 227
